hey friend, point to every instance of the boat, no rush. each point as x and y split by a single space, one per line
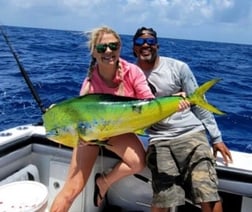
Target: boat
27 155
34 169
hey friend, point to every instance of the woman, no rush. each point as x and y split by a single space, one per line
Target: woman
108 73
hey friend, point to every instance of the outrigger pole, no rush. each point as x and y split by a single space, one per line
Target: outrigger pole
24 73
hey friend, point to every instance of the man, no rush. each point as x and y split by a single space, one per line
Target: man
179 155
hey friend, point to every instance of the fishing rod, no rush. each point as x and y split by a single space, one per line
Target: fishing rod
24 73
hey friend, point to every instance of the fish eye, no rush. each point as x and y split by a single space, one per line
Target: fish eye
55 131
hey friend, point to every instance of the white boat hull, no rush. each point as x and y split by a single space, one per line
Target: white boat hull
25 150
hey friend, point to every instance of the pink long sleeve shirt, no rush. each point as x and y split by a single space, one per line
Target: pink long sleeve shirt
133 79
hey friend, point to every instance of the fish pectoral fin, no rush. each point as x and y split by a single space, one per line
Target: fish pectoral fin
141 132
99 143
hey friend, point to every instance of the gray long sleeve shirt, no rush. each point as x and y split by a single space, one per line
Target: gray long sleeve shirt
169 77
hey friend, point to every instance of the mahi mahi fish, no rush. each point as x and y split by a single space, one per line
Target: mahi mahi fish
97 117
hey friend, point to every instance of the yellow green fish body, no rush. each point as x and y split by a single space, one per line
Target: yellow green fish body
96 117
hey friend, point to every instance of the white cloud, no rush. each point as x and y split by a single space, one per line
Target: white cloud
173 18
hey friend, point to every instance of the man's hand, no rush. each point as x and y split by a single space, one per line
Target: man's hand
222 148
183 104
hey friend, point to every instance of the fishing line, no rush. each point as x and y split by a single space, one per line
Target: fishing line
24 73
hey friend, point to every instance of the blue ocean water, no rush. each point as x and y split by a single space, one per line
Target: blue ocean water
56 62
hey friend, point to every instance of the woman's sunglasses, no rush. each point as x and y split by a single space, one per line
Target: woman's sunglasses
142 41
102 47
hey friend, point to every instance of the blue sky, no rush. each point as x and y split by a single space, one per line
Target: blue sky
209 20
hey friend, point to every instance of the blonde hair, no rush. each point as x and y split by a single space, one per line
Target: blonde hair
93 38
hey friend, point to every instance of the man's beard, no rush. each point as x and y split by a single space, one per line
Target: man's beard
148 58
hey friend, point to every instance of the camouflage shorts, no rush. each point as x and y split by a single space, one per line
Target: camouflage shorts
182 167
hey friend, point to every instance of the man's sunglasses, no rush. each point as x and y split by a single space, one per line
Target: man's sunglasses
101 48
142 41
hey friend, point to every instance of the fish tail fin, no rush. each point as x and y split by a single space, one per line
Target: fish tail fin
197 98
